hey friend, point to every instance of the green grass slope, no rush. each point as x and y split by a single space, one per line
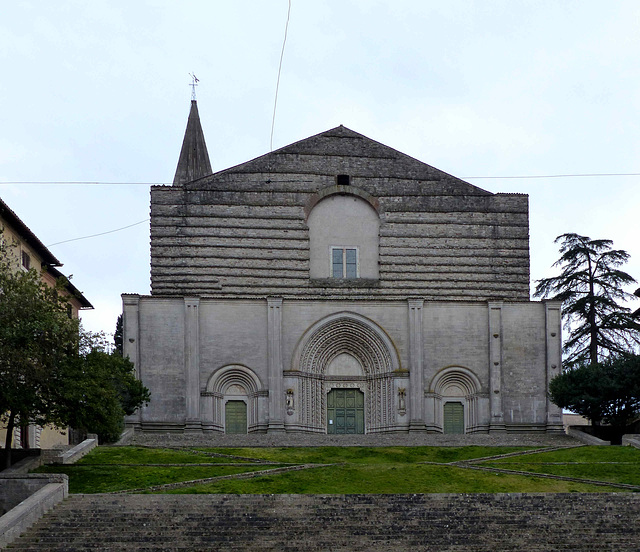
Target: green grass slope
344 470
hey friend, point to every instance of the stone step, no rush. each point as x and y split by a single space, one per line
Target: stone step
533 522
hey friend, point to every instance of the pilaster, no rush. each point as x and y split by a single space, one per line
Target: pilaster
131 344
274 351
192 363
495 367
416 372
553 332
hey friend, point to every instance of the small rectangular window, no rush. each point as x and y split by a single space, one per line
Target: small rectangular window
26 260
342 180
344 262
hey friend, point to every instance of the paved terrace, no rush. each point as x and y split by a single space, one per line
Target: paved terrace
380 440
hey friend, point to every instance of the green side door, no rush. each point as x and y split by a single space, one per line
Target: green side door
235 417
345 411
453 417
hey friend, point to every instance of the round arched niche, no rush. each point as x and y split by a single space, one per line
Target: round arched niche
343 222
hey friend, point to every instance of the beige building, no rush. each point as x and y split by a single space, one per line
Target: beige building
27 252
337 285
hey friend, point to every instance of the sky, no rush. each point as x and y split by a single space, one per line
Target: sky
94 99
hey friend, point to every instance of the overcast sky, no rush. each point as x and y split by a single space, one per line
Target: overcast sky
98 92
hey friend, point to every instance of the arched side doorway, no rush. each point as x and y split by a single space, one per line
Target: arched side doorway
348 352
231 400
455 392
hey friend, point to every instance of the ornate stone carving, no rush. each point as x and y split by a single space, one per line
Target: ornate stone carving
290 402
231 381
402 401
355 335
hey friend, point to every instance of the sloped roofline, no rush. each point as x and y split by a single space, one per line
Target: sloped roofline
49 260
355 134
27 235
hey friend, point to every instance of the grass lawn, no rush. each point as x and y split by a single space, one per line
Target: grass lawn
366 455
614 464
388 479
353 470
107 478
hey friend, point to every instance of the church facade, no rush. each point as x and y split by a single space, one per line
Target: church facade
337 285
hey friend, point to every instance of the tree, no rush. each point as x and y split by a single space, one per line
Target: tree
606 392
50 373
100 389
37 338
590 286
118 336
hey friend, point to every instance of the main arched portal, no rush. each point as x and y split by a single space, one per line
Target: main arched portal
353 359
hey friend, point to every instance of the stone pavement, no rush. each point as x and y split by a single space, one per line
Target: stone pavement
368 440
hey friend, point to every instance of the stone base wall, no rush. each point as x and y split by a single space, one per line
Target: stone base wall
282 358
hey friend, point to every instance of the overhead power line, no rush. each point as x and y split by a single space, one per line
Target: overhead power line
554 175
275 102
87 183
100 234
521 176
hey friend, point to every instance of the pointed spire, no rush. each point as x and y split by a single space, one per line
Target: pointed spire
194 160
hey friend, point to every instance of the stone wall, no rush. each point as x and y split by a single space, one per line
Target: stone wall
495 358
244 231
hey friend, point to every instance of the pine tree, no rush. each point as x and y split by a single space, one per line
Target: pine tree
590 286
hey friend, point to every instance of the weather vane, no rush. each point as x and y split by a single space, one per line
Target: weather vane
194 83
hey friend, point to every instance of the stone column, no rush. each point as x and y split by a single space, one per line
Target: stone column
416 371
192 363
553 331
274 352
131 345
496 422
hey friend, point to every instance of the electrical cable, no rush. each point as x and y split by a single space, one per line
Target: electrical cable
275 102
62 183
100 234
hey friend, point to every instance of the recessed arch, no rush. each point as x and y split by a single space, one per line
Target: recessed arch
350 333
344 238
373 362
342 190
230 385
456 391
233 374
455 377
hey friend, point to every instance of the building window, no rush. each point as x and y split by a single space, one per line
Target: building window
26 260
343 180
344 262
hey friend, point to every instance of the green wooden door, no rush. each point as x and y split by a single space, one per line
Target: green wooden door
345 411
235 417
453 417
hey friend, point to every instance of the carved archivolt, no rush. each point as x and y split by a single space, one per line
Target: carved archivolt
352 334
233 375
455 381
460 385
346 333
231 382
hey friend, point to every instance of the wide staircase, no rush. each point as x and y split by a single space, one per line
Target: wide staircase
439 522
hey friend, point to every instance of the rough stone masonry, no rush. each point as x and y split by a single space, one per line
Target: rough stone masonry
337 286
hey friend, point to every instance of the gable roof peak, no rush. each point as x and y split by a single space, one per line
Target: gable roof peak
193 162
